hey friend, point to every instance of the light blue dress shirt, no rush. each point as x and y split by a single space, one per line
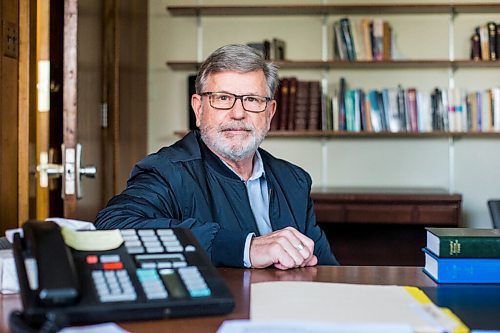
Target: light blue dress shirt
258 196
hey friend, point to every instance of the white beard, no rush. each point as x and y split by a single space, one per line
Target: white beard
233 148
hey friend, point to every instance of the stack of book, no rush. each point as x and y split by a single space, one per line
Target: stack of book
463 255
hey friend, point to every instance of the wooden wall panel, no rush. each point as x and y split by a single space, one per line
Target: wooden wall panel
8 117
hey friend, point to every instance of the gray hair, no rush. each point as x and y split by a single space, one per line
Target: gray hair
239 58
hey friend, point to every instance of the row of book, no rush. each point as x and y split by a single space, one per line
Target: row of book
365 40
485 42
463 255
411 110
274 49
299 105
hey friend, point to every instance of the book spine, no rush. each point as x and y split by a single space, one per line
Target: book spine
464 270
492 38
412 109
367 39
469 247
498 41
341 100
378 42
292 99
340 41
285 93
314 114
275 122
301 106
387 41
484 40
475 47
345 25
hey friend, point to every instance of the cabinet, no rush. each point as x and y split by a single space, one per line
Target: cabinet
383 226
435 54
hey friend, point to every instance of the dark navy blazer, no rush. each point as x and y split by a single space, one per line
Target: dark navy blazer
186 185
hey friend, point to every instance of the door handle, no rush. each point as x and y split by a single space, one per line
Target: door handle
71 168
48 170
87 171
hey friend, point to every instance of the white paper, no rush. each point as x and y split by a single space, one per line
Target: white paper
252 326
8 275
99 328
345 304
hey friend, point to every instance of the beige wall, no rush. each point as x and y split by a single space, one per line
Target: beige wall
470 166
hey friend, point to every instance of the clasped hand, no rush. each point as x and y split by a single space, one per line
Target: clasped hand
286 248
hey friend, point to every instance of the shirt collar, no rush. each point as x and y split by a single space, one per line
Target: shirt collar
257 169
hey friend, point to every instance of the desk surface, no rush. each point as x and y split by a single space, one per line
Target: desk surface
239 281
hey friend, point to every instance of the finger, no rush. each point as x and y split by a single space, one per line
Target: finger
304 241
308 243
312 262
290 245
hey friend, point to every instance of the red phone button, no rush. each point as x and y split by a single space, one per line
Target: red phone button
113 265
92 259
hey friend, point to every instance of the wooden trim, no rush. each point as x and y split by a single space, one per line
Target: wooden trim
372 135
26 104
320 9
42 118
344 64
70 93
115 83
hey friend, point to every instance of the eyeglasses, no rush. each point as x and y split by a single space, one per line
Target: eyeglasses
226 101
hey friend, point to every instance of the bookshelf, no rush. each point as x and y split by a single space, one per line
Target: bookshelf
435 159
326 10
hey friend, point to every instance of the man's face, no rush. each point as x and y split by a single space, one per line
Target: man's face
233 134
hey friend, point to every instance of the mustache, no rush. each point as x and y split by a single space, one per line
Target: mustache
236 126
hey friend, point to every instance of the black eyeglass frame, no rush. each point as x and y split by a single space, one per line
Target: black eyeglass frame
236 97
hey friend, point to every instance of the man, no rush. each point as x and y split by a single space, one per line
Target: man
246 207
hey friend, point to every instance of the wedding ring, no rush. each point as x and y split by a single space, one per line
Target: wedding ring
300 247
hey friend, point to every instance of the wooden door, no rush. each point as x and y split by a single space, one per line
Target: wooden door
67 129
94 117
97 53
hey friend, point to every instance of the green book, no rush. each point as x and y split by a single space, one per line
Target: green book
464 242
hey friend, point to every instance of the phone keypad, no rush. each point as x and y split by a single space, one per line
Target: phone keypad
151 283
113 285
160 259
153 241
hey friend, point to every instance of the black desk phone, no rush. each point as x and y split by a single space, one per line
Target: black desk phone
155 273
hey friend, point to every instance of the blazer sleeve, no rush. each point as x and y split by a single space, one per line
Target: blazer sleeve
321 246
149 202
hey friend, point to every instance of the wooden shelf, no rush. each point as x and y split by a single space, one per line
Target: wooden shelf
371 135
442 8
386 64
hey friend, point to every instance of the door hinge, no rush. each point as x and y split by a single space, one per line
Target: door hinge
104 115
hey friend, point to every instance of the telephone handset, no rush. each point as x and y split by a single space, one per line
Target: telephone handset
56 279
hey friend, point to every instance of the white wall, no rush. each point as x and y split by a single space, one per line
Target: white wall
470 166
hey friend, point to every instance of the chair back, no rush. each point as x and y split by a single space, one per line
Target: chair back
494 207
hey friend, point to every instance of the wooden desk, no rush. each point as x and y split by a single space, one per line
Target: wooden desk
383 226
478 306
239 281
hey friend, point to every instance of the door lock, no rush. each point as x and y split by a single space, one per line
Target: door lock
71 171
